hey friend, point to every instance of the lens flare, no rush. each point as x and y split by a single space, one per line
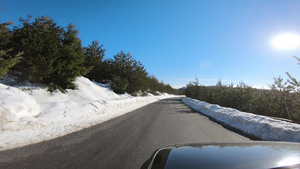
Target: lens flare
286 41
289 161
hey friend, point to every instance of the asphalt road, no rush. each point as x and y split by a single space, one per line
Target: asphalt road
124 142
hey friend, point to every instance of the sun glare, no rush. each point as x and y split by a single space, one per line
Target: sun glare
287 41
289 161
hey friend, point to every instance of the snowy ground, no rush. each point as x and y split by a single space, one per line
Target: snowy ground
260 126
30 114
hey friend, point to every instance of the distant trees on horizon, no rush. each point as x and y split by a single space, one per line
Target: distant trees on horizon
281 100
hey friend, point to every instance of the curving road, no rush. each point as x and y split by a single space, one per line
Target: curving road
124 142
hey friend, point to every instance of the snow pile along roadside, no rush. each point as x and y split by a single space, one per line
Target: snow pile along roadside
262 127
31 114
15 104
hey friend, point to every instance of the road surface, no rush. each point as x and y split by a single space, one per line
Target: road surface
124 142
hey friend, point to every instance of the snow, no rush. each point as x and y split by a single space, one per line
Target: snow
263 127
16 104
30 114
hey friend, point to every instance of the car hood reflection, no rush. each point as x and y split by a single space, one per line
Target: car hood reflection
242 155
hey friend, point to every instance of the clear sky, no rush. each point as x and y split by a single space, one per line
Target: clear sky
178 40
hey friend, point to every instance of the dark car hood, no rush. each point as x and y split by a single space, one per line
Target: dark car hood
252 155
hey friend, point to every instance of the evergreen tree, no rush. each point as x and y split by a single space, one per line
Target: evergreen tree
94 60
137 78
295 84
70 63
7 61
152 84
119 67
295 100
6 64
281 94
244 97
39 40
128 75
119 84
94 52
52 55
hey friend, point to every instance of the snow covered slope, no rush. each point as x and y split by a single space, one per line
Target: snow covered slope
260 126
32 114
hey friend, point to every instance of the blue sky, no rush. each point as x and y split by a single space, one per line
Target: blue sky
179 40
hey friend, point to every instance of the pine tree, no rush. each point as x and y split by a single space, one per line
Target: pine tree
119 84
137 78
94 60
120 66
127 74
40 42
293 81
52 55
94 52
6 64
295 87
70 63
7 61
152 84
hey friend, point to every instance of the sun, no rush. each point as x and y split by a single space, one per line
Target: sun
286 41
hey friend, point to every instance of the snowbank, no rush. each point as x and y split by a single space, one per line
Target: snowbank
260 126
15 104
32 114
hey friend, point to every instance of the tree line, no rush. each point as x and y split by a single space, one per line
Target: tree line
281 100
44 52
